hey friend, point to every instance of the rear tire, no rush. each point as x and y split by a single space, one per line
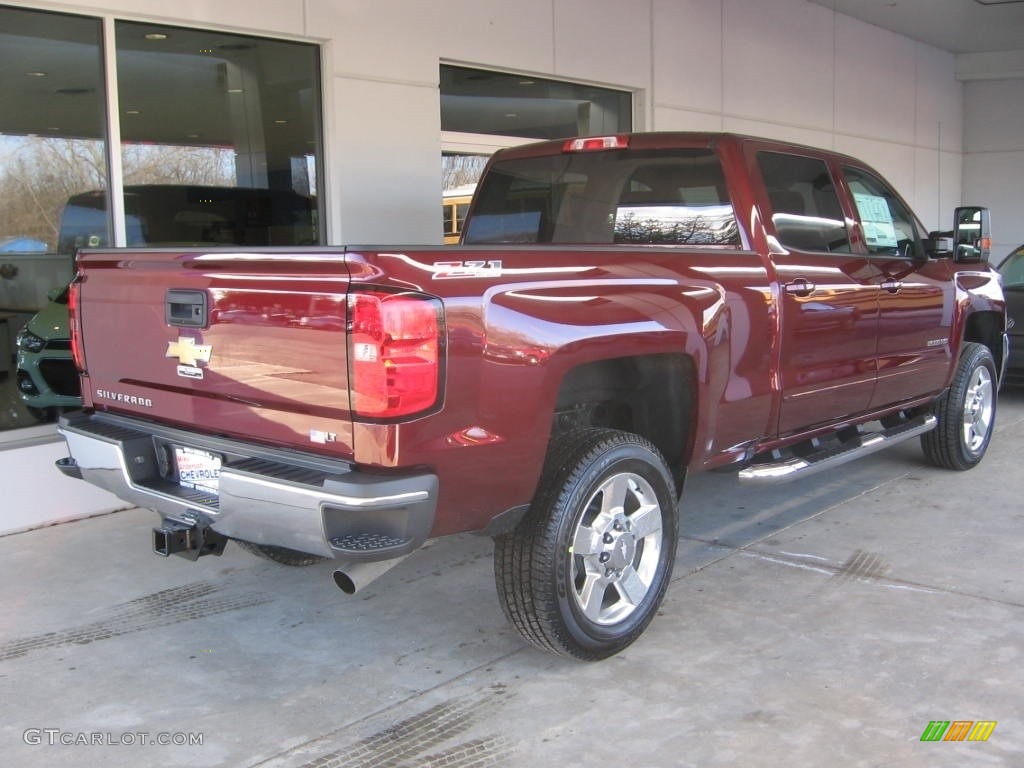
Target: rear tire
584 571
966 412
280 555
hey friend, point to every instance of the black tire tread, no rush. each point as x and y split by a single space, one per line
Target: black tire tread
525 558
942 446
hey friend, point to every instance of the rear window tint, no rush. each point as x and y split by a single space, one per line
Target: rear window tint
631 197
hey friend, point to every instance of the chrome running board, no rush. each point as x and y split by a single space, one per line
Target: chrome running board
835 454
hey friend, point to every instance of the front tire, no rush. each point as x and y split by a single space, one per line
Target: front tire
966 412
585 570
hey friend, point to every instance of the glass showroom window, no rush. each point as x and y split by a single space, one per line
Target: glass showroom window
220 137
213 139
483 111
52 147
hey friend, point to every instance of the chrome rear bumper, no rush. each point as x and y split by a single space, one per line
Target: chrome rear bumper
266 496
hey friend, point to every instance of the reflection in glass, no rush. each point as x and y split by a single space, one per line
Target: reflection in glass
52 147
220 138
650 197
52 144
459 175
676 225
497 103
806 212
204 111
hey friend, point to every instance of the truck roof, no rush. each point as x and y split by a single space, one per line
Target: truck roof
662 140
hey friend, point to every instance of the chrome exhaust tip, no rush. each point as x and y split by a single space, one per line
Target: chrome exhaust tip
355 576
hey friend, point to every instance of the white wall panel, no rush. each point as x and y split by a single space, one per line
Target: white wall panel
995 179
782 132
604 40
687 42
374 39
513 35
24 474
940 101
875 82
286 17
937 187
385 163
894 161
673 119
779 62
994 159
994 115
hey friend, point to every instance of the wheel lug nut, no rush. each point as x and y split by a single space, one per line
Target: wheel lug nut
604 557
608 539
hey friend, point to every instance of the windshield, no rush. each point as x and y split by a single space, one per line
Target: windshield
1012 269
673 197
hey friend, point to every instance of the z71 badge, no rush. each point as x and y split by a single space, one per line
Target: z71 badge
447 270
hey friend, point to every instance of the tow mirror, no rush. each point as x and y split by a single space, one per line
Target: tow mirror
972 235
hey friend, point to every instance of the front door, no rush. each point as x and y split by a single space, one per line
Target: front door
915 296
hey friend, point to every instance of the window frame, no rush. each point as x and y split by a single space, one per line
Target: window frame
837 185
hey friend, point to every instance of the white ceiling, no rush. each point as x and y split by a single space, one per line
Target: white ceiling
959 26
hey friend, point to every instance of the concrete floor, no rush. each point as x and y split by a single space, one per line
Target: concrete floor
823 623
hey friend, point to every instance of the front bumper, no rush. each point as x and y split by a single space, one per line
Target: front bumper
268 496
1013 370
48 379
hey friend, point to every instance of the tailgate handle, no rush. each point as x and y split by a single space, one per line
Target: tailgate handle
186 308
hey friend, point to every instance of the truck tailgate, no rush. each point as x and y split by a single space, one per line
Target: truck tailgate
224 342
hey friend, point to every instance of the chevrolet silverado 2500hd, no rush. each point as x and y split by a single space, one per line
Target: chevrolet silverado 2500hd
622 310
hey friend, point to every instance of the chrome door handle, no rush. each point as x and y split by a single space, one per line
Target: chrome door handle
800 287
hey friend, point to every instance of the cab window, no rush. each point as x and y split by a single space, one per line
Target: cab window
671 197
806 212
889 228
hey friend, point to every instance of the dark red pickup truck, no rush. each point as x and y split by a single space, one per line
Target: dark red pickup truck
623 310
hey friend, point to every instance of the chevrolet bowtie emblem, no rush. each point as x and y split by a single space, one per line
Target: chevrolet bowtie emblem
188 352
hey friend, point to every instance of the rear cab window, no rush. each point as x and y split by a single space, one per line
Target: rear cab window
649 197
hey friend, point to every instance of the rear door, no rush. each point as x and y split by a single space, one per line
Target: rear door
829 296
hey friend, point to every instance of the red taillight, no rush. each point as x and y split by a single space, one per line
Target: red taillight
596 143
75 325
394 353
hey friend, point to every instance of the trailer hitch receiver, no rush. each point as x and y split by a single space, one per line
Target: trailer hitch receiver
188 538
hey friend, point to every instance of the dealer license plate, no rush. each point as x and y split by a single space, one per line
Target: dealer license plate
197 469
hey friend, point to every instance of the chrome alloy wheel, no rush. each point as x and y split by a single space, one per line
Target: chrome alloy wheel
979 408
616 548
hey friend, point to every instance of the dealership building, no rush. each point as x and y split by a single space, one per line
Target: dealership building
370 111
